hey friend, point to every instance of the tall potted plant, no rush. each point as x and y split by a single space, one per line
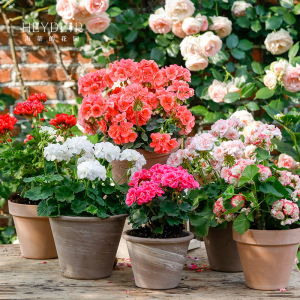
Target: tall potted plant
144 108
265 202
158 208
20 161
205 156
86 207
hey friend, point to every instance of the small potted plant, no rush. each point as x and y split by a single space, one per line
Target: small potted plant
21 160
264 202
86 207
204 157
158 209
144 108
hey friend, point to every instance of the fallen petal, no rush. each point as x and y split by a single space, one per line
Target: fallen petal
44 262
127 259
282 290
129 265
196 258
193 267
204 266
189 257
121 264
109 281
127 292
132 278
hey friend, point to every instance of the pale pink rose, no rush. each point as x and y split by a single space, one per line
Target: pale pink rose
96 6
221 25
270 80
196 63
249 151
178 10
190 46
291 80
239 8
191 26
98 24
232 134
279 67
279 42
205 142
244 116
250 129
220 128
210 44
66 8
204 22
231 88
160 22
177 29
217 91
286 161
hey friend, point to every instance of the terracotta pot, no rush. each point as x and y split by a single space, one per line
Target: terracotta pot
152 158
222 251
34 232
267 256
87 246
157 263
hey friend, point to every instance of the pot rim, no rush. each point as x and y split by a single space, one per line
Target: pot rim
268 237
88 219
140 240
20 204
23 210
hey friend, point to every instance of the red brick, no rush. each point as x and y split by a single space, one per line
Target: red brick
47 18
10 15
15 92
69 93
3 38
43 74
49 90
41 56
5 75
75 57
6 58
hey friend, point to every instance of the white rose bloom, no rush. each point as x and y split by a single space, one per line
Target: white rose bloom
178 10
221 25
56 152
270 80
107 151
76 144
279 67
239 8
190 46
196 63
210 44
91 169
49 130
243 116
191 26
279 42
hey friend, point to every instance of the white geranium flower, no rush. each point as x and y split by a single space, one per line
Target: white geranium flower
56 152
49 130
107 151
91 169
76 144
138 160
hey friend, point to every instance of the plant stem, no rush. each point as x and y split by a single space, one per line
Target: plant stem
7 3
121 177
43 160
152 210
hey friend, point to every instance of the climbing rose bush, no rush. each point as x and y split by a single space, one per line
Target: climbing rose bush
144 105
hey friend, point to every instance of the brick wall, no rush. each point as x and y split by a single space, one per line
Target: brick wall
38 63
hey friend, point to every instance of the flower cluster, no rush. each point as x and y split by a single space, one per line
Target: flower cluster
286 211
219 211
217 90
287 178
88 165
196 50
32 106
64 122
148 184
7 124
136 92
29 137
227 129
91 13
283 73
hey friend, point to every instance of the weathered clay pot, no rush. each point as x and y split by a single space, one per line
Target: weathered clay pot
222 251
34 232
152 158
267 257
87 246
157 263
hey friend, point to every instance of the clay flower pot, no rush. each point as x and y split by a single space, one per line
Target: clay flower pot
222 250
87 246
152 158
34 232
267 257
157 263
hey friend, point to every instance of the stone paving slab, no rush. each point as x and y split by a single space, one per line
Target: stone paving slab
22 278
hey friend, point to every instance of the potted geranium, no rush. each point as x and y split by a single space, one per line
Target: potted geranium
158 209
86 207
144 108
205 156
20 160
265 202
